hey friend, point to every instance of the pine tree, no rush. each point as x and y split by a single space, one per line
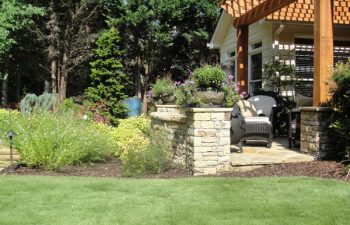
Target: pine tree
109 83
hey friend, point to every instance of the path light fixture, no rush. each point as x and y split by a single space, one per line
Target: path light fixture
11 134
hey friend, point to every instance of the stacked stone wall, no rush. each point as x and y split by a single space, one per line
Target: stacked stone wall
315 134
200 137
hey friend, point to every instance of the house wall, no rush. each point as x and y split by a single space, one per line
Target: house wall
275 42
258 32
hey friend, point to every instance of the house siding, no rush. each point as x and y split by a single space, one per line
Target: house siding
264 31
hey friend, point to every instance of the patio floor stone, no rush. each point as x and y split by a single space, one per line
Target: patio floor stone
255 155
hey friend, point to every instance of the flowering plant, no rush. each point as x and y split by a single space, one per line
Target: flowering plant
163 87
232 90
186 94
209 77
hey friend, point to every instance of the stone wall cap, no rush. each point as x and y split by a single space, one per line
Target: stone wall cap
165 116
209 110
167 106
316 109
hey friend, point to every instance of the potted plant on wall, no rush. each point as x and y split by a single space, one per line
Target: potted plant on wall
163 91
209 80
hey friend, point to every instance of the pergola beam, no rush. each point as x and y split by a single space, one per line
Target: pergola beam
261 11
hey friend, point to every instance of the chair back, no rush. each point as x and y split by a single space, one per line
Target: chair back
263 104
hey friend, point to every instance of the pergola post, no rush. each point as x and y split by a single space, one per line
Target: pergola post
323 58
242 57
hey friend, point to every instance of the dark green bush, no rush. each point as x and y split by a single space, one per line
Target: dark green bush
109 84
340 89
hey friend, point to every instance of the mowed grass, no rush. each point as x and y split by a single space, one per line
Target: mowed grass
76 200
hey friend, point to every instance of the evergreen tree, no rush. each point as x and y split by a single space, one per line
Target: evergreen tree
109 83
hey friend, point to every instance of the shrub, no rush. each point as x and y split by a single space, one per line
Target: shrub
69 106
131 133
32 103
209 77
152 158
140 150
340 89
109 84
50 141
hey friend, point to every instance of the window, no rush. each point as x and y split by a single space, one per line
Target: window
255 72
255 67
230 65
304 56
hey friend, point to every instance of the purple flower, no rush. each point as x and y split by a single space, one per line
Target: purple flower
189 72
230 77
243 94
177 83
149 94
237 87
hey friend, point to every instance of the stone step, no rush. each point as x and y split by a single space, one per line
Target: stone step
6 151
8 158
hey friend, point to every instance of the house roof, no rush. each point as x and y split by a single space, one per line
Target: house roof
300 10
224 23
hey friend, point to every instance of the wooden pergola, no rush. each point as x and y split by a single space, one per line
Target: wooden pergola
322 12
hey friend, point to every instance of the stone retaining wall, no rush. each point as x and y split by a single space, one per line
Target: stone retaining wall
200 137
315 136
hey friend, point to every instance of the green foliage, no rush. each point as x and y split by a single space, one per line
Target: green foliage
33 104
14 16
69 106
109 83
209 77
231 96
163 87
167 36
141 150
153 158
50 141
131 134
340 89
186 95
274 70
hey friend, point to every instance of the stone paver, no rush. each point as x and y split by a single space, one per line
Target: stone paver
254 155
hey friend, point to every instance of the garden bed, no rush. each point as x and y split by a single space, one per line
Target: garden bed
112 168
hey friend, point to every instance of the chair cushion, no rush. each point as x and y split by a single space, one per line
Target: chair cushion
258 119
247 108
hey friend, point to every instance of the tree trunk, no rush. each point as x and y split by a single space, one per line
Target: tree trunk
138 88
5 86
54 47
54 76
66 52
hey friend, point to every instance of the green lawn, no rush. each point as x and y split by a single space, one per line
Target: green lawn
77 200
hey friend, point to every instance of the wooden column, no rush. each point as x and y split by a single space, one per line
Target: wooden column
242 57
323 38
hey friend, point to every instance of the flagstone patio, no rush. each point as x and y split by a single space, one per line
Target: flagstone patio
255 155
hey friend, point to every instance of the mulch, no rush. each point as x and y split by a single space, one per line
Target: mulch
112 168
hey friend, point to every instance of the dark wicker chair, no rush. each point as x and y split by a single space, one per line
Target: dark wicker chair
257 112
